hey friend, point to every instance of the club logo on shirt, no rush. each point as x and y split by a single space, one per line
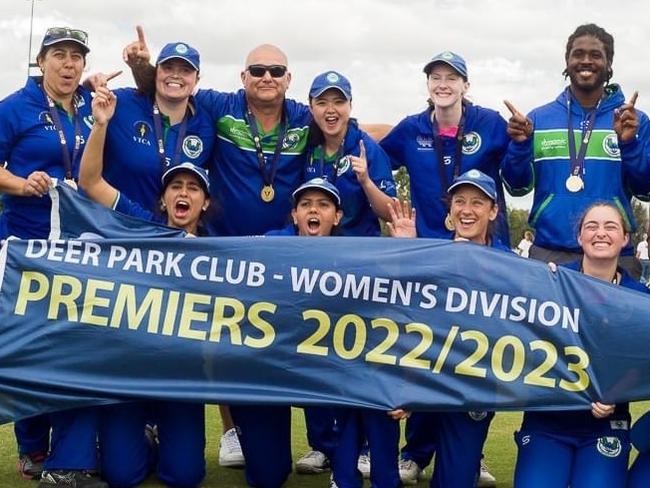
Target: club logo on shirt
46 119
471 143
525 440
478 415
141 131
290 140
192 147
609 446
424 142
342 165
610 146
89 121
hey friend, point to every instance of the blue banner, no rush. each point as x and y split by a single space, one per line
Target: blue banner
368 322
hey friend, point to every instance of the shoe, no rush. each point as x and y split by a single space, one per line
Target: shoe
363 465
30 466
332 482
485 478
230 454
409 471
71 479
313 462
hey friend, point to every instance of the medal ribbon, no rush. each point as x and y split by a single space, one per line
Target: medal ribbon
577 162
267 176
56 120
157 124
437 141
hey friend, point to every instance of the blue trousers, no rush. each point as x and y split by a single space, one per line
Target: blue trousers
73 443
354 426
265 437
552 460
128 456
321 429
420 438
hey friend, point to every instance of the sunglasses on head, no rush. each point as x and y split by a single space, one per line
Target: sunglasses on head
259 70
54 33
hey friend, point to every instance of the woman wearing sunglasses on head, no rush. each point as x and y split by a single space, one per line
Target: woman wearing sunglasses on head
582 448
128 455
43 129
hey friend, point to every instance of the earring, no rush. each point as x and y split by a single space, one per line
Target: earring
163 206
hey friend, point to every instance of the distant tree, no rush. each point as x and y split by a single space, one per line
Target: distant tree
403 183
518 224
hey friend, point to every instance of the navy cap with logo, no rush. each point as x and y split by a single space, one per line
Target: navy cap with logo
328 80
451 59
478 179
55 35
318 184
187 167
179 50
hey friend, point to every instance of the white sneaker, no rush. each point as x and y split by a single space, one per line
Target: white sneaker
485 478
363 465
313 462
230 454
409 472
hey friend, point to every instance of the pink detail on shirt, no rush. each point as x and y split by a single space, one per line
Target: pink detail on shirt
448 132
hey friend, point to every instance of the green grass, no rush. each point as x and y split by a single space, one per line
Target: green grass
500 452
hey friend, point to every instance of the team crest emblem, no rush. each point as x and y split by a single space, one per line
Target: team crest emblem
471 143
192 147
478 415
342 165
290 140
89 121
610 146
424 141
181 48
447 55
609 446
46 118
142 129
332 77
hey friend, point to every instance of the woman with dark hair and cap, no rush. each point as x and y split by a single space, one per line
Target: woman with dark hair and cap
450 137
43 129
348 158
128 450
582 448
458 437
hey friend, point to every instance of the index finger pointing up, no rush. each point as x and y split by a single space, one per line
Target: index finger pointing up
140 31
362 149
635 95
511 107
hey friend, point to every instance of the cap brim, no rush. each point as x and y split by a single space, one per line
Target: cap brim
85 48
318 93
429 65
474 184
304 188
176 56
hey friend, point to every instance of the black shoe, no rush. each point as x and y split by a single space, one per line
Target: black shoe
71 479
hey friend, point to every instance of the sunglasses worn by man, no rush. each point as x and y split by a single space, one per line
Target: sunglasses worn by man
259 70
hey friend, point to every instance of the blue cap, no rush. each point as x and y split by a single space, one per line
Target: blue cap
478 179
179 50
450 59
55 35
188 167
330 79
318 184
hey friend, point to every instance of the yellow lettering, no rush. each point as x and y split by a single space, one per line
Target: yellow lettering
188 314
25 293
126 299
220 320
91 300
268 333
59 298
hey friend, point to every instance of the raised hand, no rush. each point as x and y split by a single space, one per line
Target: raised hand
94 81
402 219
137 53
103 105
360 164
626 120
520 127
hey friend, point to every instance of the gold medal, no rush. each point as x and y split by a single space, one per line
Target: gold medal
267 193
449 223
574 183
71 183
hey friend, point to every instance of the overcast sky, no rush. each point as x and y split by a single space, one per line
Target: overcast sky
514 49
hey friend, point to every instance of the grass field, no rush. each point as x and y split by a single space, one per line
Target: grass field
499 452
